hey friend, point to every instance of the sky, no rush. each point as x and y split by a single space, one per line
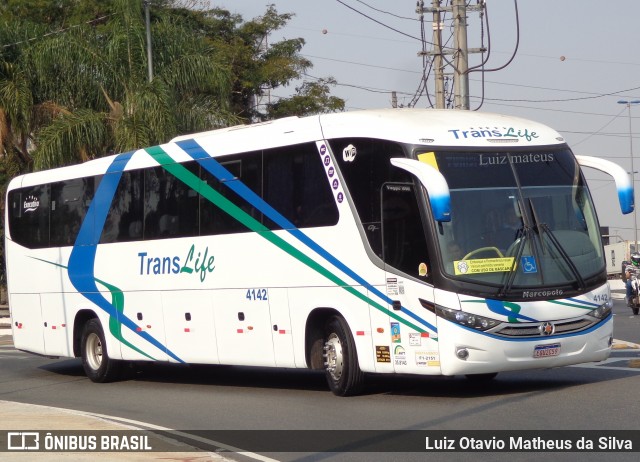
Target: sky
575 60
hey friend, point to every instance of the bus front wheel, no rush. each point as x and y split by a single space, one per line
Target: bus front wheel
340 359
96 362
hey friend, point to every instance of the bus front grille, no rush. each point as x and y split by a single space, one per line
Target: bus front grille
536 329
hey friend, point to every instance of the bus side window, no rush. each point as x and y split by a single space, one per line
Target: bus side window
69 204
124 220
295 184
246 168
29 218
170 206
404 244
365 166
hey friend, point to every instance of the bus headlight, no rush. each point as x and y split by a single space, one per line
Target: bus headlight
603 310
467 319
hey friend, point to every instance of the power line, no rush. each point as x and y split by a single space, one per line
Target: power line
406 93
385 12
493 82
344 61
378 22
565 99
534 87
601 128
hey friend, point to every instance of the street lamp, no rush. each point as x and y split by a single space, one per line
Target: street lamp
633 184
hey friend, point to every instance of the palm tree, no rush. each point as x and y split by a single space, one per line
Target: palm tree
87 91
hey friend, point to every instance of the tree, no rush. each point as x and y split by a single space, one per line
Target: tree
86 92
310 98
73 77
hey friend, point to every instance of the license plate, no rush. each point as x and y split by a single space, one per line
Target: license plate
544 351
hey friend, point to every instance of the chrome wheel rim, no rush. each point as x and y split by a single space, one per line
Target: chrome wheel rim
94 351
334 359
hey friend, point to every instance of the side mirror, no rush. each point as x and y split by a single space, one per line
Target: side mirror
433 181
623 183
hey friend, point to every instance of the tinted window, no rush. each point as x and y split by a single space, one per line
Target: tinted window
124 221
365 166
153 204
405 247
29 218
296 185
218 217
170 206
70 201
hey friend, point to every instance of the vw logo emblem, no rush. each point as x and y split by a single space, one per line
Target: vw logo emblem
546 328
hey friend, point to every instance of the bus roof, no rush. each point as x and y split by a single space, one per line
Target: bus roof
454 128
440 127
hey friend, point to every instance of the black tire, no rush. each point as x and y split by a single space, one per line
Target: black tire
96 362
481 378
341 359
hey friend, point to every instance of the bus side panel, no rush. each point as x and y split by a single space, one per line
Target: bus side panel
189 325
243 328
413 351
381 337
281 327
147 341
26 322
57 328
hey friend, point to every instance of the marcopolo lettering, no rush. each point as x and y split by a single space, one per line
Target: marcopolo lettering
542 293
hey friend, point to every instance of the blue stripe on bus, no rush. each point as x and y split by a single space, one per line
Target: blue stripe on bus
198 153
83 254
584 302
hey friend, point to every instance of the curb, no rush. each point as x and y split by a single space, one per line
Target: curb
36 418
624 345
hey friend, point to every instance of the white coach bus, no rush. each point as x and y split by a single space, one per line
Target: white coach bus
392 241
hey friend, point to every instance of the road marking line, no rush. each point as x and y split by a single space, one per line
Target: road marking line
147 426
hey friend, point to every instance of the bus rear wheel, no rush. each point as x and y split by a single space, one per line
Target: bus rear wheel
341 359
96 362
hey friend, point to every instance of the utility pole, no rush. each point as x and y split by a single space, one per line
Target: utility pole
438 67
459 52
461 82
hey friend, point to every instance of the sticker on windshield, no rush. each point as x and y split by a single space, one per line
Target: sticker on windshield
529 264
483 265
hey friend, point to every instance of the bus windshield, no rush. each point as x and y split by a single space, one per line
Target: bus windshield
519 219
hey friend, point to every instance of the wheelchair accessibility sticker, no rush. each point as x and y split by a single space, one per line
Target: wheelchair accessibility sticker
529 264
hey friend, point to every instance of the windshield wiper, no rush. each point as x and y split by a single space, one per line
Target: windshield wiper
543 228
523 235
564 255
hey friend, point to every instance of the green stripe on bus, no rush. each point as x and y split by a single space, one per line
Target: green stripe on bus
117 300
217 199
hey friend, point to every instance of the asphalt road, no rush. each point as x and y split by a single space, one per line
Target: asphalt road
587 397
